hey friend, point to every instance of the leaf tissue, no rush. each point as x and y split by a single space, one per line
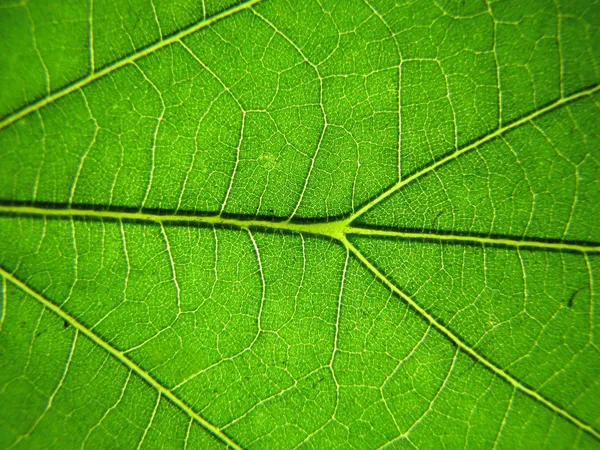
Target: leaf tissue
318 223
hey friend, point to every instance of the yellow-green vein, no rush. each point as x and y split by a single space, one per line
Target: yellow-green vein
334 230
470 239
467 349
66 90
488 137
121 357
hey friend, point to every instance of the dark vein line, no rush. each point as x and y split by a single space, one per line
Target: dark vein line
329 229
335 230
501 241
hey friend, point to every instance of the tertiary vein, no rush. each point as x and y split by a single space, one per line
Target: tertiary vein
340 231
121 357
132 57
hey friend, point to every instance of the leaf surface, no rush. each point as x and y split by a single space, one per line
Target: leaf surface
278 224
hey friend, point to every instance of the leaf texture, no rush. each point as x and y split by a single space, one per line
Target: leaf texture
320 224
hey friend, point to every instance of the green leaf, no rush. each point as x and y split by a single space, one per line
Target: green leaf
276 224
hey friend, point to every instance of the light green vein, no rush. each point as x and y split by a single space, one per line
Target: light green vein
488 137
335 230
66 90
121 357
467 349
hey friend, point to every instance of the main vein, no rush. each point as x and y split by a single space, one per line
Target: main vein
66 90
121 357
483 240
488 137
337 230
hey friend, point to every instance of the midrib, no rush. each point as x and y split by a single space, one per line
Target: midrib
338 229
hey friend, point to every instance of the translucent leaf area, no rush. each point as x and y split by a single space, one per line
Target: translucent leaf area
316 223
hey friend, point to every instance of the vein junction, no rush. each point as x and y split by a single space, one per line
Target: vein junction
338 230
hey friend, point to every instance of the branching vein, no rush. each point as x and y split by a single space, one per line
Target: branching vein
177 37
478 143
119 355
456 340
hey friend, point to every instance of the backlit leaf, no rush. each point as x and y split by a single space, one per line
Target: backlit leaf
273 224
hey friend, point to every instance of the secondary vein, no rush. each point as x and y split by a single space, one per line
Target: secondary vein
488 137
163 390
469 350
93 76
338 230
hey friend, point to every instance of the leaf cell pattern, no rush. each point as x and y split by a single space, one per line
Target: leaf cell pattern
318 224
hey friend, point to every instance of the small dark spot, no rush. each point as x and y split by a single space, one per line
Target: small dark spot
66 324
39 333
572 298
317 382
